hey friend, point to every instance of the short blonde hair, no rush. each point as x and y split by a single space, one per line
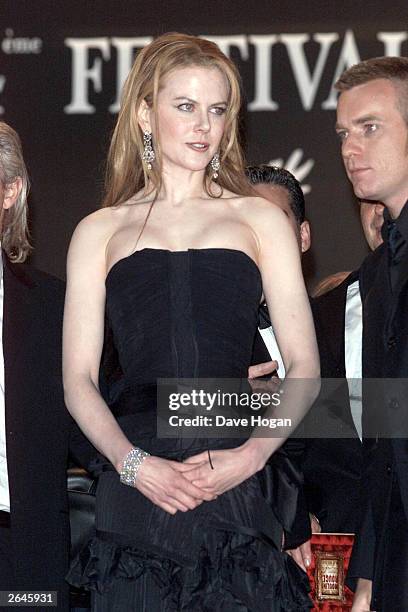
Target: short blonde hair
125 173
14 229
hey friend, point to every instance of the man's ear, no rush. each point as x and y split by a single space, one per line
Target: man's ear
11 193
143 117
305 237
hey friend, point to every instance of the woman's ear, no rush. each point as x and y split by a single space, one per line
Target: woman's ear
143 117
11 193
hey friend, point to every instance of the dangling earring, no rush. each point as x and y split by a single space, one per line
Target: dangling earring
215 165
148 154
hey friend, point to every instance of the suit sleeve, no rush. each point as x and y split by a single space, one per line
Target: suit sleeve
301 531
362 558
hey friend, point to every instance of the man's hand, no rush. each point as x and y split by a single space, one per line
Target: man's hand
362 596
302 555
262 385
314 524
262 369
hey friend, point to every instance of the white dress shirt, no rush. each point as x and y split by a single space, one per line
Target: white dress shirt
353 332
273 349
4 486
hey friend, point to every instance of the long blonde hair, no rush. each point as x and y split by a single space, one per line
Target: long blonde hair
125 172
14 226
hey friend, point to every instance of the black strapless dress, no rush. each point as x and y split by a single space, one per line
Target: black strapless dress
187 314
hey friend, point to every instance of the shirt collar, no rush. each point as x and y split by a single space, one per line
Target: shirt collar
401 222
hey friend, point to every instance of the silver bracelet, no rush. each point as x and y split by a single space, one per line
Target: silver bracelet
131 465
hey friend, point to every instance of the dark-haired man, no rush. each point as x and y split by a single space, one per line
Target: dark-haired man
279 186
372 118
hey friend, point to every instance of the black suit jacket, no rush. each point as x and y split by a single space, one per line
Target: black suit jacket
332 466
385 406
37 429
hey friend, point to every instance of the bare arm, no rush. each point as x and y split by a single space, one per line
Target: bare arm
160 480
292 322
83 340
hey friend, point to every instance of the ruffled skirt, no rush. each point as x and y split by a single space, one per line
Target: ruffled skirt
224 556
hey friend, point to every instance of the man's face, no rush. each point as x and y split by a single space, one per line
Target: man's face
279 195
374 145
372 219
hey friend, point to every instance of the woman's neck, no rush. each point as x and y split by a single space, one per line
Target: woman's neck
180 185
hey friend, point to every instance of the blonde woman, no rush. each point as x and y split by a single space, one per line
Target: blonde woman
179 256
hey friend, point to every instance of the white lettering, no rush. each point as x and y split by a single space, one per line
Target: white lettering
211 400
20 44
185 399
125 48
263 73
307 82
222 421
81 74
88 55
392 41
349 56
225 43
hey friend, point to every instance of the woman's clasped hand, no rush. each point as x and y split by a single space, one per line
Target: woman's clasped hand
168 485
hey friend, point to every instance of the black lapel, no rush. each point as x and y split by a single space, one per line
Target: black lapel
18 286
329 312
401 282
371 266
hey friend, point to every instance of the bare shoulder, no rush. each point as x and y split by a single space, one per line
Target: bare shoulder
91 236
258 210
102 224
96 224
109 217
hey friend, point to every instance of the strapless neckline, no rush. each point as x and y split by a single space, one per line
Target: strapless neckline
215 250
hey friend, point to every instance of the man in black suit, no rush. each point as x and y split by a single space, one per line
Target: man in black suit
372 118
333 467
34 424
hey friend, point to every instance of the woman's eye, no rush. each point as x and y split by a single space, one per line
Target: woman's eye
186 106
218 110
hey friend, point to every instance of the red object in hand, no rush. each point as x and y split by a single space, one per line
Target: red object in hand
330 559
